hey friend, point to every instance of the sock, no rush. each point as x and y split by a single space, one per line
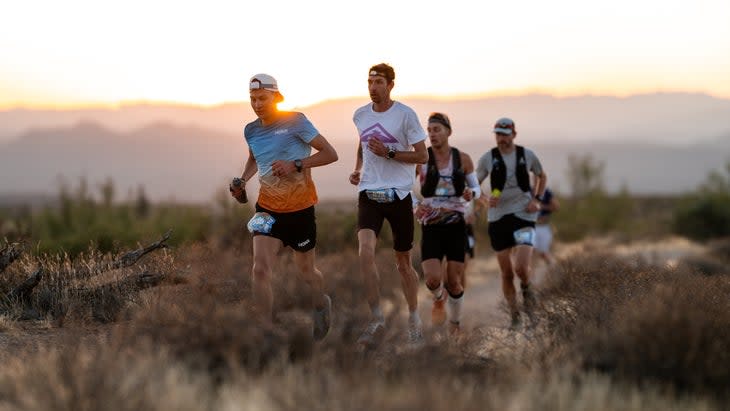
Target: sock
455 303
378 314
438 293
414 318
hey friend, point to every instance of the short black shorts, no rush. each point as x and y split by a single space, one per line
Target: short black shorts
443 240
399 213
501 232
297 229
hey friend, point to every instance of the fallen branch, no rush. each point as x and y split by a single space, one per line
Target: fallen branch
9 254
22 292
133 256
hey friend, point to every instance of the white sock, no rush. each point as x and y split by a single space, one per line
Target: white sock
414 318
438 293
378 314
455 308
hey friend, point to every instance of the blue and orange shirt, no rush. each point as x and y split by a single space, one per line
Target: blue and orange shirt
286 139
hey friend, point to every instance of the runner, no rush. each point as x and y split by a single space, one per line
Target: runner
391 143
448 183
512 212
543 227
279 145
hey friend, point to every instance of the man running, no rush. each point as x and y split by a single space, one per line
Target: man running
279 145
391 143
513 208
448 183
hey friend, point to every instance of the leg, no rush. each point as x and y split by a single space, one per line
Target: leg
455 288
434 273
522 257
264 254
312 276
366 250
504 258
409 278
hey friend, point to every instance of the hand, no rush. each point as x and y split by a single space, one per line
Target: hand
468 194
238 191
534 206
281 168
377 147
355 177
493 201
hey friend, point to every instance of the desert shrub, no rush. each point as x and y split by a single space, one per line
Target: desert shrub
640 323
706 214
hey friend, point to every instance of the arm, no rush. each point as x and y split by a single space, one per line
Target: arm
540 183
419 155
325 154
355 175
251 168
473 187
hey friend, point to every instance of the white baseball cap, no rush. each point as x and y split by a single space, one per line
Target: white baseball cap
263 81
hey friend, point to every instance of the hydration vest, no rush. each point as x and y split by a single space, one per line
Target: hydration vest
498 176
432 174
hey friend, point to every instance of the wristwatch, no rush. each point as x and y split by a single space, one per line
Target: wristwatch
391 153
298 165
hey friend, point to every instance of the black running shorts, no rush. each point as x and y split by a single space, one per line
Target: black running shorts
501 232
399 213
443 240
296 229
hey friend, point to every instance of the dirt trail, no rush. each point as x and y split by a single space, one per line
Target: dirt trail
483 303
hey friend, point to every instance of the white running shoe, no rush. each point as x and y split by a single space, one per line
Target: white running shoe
372 334
415 333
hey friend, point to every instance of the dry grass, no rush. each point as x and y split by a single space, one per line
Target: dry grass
611 333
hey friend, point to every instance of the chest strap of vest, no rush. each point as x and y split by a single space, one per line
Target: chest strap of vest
498 175
432 174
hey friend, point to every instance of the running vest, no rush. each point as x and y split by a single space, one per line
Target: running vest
432 174
498 176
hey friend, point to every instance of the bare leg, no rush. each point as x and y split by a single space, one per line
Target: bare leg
368 270
508 287
409 279
264 254
522 257
312 276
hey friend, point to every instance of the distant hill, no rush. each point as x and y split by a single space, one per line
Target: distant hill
190 163
669 118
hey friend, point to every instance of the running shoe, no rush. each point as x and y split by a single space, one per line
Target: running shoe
372 334
321 319
415 334
438 311
516 321
528 298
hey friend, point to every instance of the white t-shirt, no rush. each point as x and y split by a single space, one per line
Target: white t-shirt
399 128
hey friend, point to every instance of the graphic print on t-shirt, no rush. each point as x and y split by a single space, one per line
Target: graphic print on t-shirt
379 132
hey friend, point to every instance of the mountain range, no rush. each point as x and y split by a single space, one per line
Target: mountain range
649 144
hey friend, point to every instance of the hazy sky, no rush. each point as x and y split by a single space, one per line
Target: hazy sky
74 52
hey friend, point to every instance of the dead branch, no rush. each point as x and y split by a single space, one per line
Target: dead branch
22 292
127 285
133 256
9 254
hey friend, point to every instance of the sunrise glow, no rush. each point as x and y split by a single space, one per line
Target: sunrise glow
72 53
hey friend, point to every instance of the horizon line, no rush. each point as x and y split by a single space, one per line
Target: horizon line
456 97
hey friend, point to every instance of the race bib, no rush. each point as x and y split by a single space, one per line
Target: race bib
524 236
261 223
386 195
